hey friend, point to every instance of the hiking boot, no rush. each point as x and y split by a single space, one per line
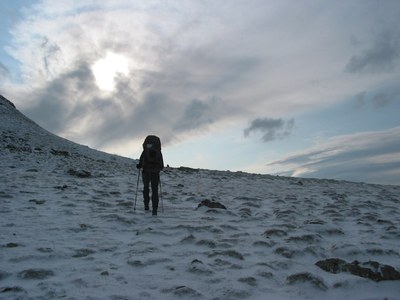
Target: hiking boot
154 212
146 208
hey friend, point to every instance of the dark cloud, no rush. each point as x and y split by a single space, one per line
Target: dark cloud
196 114
119 116
62 101
381 56
151 115
272 129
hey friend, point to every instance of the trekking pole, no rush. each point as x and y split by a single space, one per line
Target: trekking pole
162 204
137 188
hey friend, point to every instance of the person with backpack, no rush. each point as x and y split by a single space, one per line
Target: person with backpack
151 161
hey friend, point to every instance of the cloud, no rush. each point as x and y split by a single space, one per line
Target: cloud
360 99
272 129
378 100
64 101
369 156
190 66
76 108
382 55
197 114
51 52
382 99
4 72
173 72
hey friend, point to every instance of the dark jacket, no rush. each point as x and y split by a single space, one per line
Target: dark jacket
153 166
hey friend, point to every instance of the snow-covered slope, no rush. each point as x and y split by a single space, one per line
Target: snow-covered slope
24 138
69 229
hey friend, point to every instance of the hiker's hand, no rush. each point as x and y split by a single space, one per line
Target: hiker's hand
138 166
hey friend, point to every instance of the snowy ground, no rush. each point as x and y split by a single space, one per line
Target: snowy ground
63 236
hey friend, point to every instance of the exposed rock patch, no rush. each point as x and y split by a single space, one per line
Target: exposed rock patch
211 204
370 269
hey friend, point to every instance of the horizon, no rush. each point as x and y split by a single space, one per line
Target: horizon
299 89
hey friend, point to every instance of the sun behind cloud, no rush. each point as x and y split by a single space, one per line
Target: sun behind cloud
105 70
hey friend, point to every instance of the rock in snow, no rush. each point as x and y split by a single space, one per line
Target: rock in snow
371 269
211 204
69 229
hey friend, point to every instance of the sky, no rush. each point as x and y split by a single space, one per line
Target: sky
300 88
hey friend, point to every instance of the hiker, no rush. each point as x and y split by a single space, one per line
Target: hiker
151 160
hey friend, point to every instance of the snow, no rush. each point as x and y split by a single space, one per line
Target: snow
70 237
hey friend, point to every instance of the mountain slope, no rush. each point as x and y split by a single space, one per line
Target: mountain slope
23 141
20 134
69 229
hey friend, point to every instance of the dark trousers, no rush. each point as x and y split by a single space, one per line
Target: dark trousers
154 179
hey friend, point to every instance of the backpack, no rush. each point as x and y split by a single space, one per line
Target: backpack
152 157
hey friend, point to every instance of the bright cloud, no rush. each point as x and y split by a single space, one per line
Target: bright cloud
362 157
106 69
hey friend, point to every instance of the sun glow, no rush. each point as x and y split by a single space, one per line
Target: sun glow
106 69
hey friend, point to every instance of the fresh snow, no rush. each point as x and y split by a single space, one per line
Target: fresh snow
70 237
